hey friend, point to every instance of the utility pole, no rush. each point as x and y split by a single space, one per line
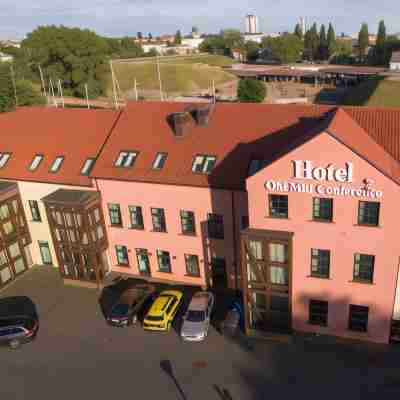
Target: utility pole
213 90
61 93
136 93
87 96
43 85
114 86
14 85
159 78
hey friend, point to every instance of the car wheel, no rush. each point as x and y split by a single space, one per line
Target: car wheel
15 344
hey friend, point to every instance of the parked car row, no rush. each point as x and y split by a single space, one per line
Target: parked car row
141 302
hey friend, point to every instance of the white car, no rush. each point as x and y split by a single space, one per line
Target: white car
196 320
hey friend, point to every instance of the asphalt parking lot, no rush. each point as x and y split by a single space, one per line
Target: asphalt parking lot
76 355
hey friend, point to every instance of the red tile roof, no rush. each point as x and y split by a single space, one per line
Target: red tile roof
77 134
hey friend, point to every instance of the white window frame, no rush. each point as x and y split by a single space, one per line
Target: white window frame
36 162
4 157
202 161
161 158
126 158
87 166
57 164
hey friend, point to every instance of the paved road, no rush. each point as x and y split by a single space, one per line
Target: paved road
76 355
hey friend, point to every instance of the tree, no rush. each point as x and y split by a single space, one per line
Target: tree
323 43
233 39
298 31
74 55
214 44
140 35
363 41
150 36
380 45
311 43
252 49
152 52
331 40
178 38
7 101
251 91
28 94
287 48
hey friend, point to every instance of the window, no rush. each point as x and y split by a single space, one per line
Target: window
143 261
203 164
158 217
188 222
278 257
45 253
4 157
4 212
320 261
87 166
192 265
358 318
363 267
278 206
35 162
136 216
35 212
318 312
322 209
126 159
160 160
244 222
122 255
215 225
115 214
368 213
56 164
164 261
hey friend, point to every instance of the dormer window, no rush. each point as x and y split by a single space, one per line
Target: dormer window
4 157
56 164
160 160
35 162
203 164
255 166
126 159
87 166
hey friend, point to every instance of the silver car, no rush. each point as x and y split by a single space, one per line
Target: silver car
196 320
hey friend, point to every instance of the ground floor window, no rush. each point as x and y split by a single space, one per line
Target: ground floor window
164 261
143 261
122 255
5 269
192 265
45 253
318 312
358 318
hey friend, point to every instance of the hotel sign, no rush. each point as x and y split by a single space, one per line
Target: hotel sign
323 181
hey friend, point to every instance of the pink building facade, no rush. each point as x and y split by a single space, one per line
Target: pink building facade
329 292
218 259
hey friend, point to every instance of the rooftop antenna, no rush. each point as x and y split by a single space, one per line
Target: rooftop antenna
87 96
60 91
52 93
14 86
43 85
159 78
114 85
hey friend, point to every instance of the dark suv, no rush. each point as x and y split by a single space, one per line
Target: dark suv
19 322
129 307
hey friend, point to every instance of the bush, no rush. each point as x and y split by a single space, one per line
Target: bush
251 91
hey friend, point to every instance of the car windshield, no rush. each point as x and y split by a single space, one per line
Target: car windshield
154 317
195 316
120 310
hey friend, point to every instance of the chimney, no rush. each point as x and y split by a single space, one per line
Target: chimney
202 115
179 122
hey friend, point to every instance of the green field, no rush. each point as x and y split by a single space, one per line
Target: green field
178 75
377 92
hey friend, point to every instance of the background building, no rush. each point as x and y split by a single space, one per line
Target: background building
251 23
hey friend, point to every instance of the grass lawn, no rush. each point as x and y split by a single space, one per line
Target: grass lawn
178 75
377 92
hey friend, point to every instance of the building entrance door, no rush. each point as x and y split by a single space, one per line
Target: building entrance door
218 273
266 271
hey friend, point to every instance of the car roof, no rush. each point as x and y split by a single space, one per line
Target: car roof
17 306
160 303
199 301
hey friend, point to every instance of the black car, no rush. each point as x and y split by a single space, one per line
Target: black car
19 321
129 307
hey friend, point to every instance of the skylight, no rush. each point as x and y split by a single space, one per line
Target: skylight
203 164
4 157
35 162
160 160
87 166
126 159
56 164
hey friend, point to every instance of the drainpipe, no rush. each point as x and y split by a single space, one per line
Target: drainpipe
236 258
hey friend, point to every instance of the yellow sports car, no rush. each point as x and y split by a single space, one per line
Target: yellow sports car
163 310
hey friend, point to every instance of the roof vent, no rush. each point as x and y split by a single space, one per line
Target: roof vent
179 122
